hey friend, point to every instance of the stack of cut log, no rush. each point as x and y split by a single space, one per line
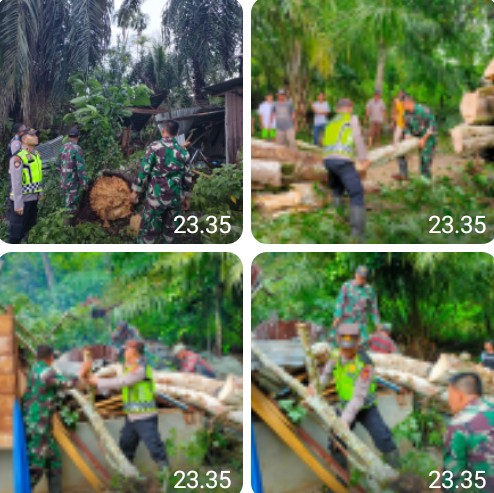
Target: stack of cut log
477 109
302 171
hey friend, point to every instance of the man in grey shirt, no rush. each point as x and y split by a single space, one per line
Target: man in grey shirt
284 115
138 394
376 113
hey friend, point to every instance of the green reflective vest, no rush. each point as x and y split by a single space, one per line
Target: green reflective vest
346 376
338 137
140 397
32 171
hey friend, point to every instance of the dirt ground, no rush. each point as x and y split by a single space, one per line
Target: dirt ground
444 164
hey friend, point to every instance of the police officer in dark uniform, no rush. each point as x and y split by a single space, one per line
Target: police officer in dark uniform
353 373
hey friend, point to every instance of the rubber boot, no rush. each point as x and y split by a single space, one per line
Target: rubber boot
337 201
357 222
164 476
393 459
55 481
402 162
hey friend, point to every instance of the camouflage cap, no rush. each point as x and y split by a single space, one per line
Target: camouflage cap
362 271
348 335
74 132
135 344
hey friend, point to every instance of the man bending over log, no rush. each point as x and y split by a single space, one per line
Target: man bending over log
138 396
420 122
342 139
166 179
39 404
469 442
353 373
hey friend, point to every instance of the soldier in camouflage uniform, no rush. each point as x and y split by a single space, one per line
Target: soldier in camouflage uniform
420 122
356 301
167 181
469 441
73 171
39 404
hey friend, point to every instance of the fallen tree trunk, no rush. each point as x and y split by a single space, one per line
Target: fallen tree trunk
361 456
402 363
477 108
305 166
415 383
471 139
202 401
113 454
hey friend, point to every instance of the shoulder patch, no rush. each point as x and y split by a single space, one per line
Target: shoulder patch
366 373
17 163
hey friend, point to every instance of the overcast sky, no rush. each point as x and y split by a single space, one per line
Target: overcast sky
153 9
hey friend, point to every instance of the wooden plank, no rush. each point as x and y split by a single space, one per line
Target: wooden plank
7 364
8 384
6 345
62 437
6 324
273 417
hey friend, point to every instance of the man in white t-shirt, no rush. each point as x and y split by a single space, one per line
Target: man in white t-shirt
266 118
321 111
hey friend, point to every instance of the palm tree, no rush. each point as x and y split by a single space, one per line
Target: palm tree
42 42
207 34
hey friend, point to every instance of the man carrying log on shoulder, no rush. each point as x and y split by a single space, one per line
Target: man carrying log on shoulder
356 301
39 404
381 341
420 122
342 140
469 441
166 180
191 362
138 395
352 371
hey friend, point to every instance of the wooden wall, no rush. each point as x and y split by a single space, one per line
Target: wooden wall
8 383
233 124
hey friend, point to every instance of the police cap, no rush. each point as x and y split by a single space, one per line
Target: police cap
348 335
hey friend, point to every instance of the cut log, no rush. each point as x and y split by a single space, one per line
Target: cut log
477 108
110 198
202 401
360 455
302 196
310 362
471 139
266 172
489 71
402 363
275 152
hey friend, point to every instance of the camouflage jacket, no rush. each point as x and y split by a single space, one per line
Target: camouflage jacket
469 444
120 337
72 166
165 173
420 121
40 401
355 303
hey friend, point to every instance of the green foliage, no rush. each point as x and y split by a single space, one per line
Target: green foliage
295 411
189 297
220 194
99 110
423 429
399 215
194 451
69 417
430 298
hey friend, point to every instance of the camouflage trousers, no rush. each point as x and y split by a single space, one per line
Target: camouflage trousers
43 456
426 157
158 223
72 198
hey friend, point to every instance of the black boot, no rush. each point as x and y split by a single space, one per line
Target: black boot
55 481
357 222
393 459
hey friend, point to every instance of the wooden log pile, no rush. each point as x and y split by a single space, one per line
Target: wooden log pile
302 171
477 111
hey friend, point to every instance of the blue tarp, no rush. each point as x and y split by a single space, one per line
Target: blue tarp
22 480
256 478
